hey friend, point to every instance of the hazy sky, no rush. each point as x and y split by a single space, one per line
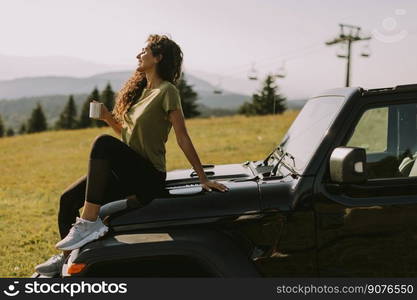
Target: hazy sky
224 37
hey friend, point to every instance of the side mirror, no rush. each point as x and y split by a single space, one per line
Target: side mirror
348 165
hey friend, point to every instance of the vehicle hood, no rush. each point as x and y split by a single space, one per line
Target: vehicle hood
214 172
184 198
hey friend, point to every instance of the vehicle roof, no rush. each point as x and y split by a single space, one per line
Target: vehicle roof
342 91
349 91
390 90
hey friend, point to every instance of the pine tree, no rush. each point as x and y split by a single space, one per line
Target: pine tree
67 119
22 129
188 98
10 132
107 97
37 121
266 101
1 127
85 120
247 109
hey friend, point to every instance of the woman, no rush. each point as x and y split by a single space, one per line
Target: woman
146 108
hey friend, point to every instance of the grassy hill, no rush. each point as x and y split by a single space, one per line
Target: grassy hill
36 168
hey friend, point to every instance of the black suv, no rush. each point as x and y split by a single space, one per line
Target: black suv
337 197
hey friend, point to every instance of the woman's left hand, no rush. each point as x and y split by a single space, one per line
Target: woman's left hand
208 184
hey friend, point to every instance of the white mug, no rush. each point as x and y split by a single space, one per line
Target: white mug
95 110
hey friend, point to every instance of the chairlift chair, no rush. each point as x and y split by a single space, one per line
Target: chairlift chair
366 52
253 74
341 51
217 91
218 88
281 71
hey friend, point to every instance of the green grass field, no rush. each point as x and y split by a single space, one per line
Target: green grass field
36 168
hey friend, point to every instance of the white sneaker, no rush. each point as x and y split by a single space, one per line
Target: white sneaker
82 232
52 266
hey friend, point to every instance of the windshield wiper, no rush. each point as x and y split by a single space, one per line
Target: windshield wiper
282 154
270 154
292 170
280 157
279 148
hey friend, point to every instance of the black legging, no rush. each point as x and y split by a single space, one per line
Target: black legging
130 174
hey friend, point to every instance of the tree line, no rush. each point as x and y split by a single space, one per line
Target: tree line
267 100
70 119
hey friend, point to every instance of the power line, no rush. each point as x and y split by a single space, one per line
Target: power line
272 60
281 72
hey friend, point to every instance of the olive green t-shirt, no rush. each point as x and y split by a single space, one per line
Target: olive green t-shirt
146 125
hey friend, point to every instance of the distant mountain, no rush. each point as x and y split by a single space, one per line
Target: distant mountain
53 85
57 85
73 74
35 66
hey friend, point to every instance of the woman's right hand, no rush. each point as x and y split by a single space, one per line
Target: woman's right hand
105 115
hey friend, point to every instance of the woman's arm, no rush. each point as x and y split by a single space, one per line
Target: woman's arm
117 127
183 140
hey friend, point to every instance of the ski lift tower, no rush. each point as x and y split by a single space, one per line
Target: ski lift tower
347 38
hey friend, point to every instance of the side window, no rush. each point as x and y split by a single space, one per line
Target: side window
389 136
371 132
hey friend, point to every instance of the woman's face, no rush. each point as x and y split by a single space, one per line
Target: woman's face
146 59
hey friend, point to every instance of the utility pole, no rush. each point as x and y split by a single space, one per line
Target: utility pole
347 38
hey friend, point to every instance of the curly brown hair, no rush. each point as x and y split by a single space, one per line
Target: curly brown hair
168 68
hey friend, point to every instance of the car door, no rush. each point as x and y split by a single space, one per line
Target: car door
370 229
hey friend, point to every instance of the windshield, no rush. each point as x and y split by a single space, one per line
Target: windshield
309 128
